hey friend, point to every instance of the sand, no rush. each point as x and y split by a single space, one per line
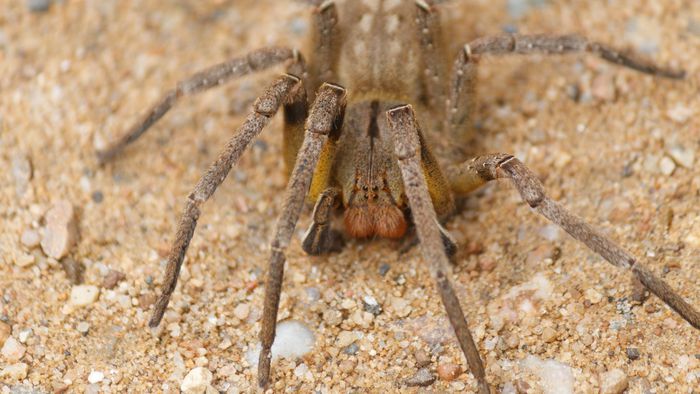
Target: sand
616 147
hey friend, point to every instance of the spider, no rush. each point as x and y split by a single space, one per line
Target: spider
353 144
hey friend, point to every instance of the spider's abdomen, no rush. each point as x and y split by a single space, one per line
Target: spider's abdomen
379 55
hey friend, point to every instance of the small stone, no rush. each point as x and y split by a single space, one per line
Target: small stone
97 196
549 334
196 381
30 239
22 172
83 327
684 157
345 338
667 166
24 260
422 378
487 264
15 372
5 331
241 311
603 87
61 231
401 307
449 371
351 350
12 350
679 113
347 366
384 268
593 296
632 353
74 270
24 335
332 317
83 295
112 278
95 377
371 305
38 5
422 358
613 382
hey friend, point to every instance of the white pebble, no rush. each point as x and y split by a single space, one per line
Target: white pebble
24 335
82 295
667 166
293 339
61 230
613 382
345 338
95 377
241 311
197 381
30 238
593 296
555 377
83 327
12 350
680 113
684 157
15 371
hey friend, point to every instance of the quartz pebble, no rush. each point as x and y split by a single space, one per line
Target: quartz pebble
613 382
401 307
83 327
61 231
14 372
549 334
12 350
83 295
196 381
345 338
422 378
241 311
593 296
95 377
684 157
30 239
667 166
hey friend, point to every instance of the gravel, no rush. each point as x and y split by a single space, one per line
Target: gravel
61 231
83 295
422 378
12 350
613 382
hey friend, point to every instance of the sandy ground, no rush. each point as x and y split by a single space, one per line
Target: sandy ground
617 147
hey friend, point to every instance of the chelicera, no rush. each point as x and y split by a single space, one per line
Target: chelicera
353 143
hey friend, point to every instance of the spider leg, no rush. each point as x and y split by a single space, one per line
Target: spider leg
208 78
325 43
405 132
320 238
428 36
561 44
486 168
264 108
327 110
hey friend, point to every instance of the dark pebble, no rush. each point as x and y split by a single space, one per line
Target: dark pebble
97 196
351 349
632 353
422 378
383 269
38 5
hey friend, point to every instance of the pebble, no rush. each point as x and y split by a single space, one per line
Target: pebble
95 377
332 317
613 382
5 331
22 172
293 339
24 260
61 230
74 270
347 366
593 296
12 350
241 311
38 5
603 87
632 353
112 278
30 239
83 295
345 338
684 157
15 371
83 327
196 381
24 335
371 305
422 378
449 371
666 166
555 377
351 350
401 307
679 113
422 358
549 334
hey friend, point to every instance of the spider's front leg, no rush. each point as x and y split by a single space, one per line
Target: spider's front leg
324 120
266 106
206 79
406 141
470 175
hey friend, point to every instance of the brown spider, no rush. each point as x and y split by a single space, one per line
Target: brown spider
359 148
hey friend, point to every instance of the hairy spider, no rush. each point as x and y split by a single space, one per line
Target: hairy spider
355 145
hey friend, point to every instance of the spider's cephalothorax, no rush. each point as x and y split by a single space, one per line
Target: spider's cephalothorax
359 148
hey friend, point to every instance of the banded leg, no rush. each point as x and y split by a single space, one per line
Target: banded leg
405 133
325 36
208 78
327 109
320 238
428 36
486 168
264 108
561 44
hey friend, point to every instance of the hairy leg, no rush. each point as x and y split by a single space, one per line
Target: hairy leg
203 80
320 238
263 109
328 107
486 168
406 136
